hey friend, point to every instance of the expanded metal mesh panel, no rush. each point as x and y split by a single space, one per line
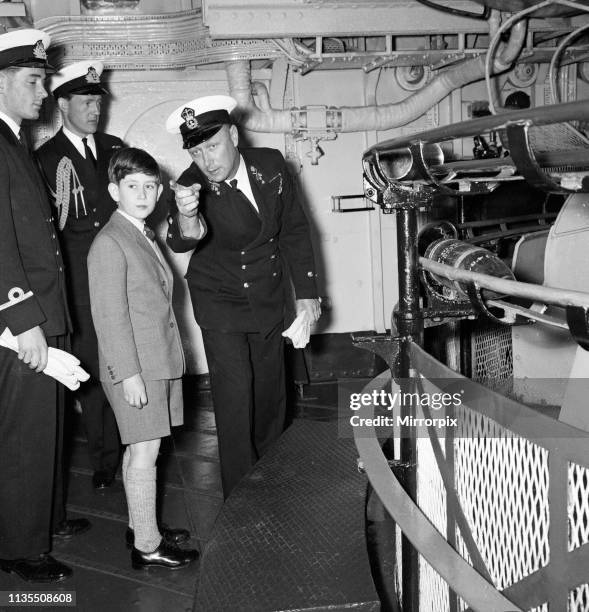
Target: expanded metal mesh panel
579 599
461 548
431 498
399 566
431 492
578 506
492 356
555 137
433 589
502 485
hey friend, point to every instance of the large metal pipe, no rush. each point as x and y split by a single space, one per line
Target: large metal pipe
365 118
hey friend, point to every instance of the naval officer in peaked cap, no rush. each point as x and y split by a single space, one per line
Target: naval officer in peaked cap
74 164
33 309
237 209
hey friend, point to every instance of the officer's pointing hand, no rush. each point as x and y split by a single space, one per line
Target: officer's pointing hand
186 198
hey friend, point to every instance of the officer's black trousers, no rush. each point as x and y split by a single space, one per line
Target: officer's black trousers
27 457
247 384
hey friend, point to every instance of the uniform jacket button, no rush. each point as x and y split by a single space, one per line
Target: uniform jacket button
246 285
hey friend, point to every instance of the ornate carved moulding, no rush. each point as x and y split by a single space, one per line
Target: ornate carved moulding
146 42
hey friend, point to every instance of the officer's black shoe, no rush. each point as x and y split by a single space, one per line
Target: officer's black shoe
41 569
101 479
172 536
165 555
71 527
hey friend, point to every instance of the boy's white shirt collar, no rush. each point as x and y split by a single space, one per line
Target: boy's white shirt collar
243 183
77 142
138 223
11 123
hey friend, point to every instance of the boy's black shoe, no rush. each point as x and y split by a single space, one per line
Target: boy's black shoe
165 555
41 569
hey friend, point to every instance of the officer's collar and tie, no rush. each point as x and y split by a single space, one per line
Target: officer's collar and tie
85 146
241 182
16 129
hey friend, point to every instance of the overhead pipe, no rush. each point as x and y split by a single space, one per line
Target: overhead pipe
263 118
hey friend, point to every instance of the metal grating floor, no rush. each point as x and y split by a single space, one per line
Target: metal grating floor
291 536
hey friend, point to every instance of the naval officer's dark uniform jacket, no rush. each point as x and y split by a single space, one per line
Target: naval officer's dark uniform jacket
239 277
32 293
82 223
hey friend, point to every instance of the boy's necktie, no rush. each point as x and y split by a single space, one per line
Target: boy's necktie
149 233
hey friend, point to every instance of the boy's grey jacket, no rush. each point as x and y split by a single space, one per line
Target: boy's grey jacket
131 300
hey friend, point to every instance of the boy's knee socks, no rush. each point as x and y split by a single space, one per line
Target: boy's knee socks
124 466
141 491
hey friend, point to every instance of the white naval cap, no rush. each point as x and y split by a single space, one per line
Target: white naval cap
79 78
200 119
26 48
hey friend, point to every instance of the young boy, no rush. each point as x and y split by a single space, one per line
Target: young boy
140 352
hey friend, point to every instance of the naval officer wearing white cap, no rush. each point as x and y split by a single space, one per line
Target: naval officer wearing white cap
239 212
33 307
74 164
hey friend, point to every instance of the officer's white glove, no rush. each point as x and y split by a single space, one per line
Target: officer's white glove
62 366
299 331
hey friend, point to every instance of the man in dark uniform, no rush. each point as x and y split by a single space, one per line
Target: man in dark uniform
74 163
240 213
33 308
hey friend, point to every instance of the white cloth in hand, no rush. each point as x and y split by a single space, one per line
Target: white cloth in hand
299 331
62 366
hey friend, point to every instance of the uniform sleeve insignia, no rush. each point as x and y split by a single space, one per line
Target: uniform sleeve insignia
278 178
15 296
189 118
39 50
92 76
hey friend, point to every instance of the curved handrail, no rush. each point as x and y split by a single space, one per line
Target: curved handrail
462 578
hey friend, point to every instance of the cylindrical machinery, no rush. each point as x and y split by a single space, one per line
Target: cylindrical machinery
463 256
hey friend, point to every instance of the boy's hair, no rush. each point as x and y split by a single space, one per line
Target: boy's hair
130 160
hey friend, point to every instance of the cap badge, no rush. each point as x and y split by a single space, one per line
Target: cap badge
39 50
92 76
189 117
